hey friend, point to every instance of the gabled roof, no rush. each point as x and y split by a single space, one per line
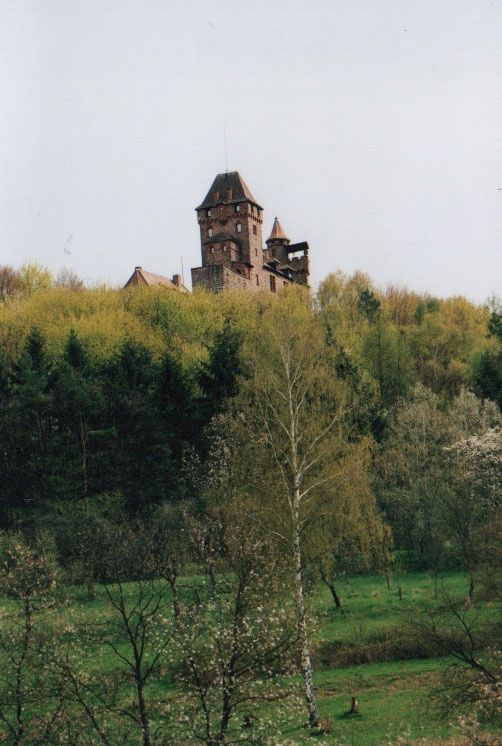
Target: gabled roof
141 277
277 232
228 189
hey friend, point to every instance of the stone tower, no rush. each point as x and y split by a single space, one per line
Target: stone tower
230 222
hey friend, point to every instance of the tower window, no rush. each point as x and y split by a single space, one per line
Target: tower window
255 231
210 232
239 227
224 248
257 280
209 213
272 283
211 249
237 208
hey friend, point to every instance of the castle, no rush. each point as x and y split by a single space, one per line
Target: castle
233 257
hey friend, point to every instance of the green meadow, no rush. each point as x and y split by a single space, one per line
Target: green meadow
395 690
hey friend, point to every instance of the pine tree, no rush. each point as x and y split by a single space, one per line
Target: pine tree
30 427
139 459
78 405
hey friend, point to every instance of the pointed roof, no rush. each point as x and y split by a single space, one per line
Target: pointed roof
277 232
141 277
228 189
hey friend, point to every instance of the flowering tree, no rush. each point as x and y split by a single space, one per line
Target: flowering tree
237 630
31 697
236 643
475 500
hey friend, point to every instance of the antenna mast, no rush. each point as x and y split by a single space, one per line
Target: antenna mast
225 145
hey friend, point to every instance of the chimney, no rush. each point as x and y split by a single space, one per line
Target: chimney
177 280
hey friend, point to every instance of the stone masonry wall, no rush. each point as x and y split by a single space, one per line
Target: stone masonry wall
217 277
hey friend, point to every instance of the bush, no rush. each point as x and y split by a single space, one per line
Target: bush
382 647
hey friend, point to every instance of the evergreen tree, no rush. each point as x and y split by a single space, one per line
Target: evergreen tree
139 459
78 405
29 428
178 408
487 366
219 378
389 360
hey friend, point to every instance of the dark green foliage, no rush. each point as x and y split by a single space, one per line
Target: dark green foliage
368 305
487 375
495 325
139 459
365 414
426 305
77 406
71 430
27 429
178 408
389 360
220 375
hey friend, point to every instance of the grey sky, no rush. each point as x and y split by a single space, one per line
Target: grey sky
372 128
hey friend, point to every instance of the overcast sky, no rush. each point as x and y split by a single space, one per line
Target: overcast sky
372 128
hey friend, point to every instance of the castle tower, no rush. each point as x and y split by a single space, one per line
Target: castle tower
230 222
277 243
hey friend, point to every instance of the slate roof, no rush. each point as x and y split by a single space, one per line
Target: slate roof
222 183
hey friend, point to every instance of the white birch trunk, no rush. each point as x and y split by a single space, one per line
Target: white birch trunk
306 662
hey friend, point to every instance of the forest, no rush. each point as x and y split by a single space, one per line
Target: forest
248 518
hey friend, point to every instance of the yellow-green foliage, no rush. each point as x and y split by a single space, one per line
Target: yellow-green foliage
443 336
158 318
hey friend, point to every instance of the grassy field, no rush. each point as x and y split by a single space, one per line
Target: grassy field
394 700
394 695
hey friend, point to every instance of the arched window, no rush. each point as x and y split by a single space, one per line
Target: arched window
239 227
210 232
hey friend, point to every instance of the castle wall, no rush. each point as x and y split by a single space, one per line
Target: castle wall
218 277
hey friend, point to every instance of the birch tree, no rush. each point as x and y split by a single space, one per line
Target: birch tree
297 404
